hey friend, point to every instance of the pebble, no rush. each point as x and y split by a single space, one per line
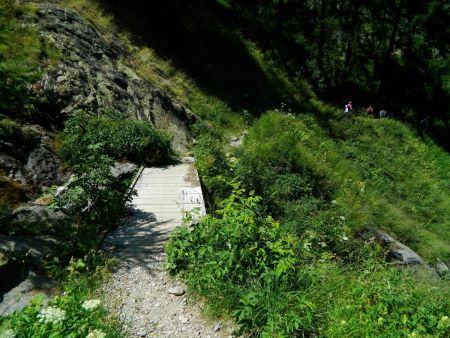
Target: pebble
177 291
216 328
183 319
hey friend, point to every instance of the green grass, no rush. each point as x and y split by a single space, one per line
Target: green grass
378 171
274 284
23 56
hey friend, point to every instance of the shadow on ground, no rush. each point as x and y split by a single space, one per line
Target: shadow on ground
139 240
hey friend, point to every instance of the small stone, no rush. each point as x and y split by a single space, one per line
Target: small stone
216 328
183 319
142 333
177 291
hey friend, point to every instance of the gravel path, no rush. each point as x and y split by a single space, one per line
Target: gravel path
146 307
148 302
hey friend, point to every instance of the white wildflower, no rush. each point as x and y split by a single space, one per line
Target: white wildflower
96 334
344 238
91 304
51 315
342 218
8 334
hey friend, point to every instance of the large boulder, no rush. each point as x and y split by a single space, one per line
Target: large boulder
397 252
33 248
13 168
29 158
37 219
120 170
43 167
21 295
92 74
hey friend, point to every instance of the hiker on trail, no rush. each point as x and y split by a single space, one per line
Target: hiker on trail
369 110
382 113
348 107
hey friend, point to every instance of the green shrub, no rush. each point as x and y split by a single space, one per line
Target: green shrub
231 251
275 284
114 136
77 312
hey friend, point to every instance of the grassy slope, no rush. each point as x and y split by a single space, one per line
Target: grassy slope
381 172
378 171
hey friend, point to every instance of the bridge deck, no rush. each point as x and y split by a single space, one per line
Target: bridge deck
165 194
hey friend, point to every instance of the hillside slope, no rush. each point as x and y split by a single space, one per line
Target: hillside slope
290 247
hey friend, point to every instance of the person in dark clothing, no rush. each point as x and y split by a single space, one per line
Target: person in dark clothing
369 110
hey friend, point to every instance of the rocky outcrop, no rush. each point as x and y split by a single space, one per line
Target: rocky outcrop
21 295
400 254
120 170
397 252
30 159
43 166
38 219
93 73
33 249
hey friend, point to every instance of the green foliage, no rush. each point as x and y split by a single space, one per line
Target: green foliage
94 199
382 302
113 135
275 284
234 249
21 54
375 171
77 318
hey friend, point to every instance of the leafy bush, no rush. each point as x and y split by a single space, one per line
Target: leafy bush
75 313
232 251
94 199
115 136
275 284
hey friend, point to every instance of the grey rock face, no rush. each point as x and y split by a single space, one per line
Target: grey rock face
38 218
13 168
34 248
29 159
43 167
92 74
122 169
396 251
21 295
